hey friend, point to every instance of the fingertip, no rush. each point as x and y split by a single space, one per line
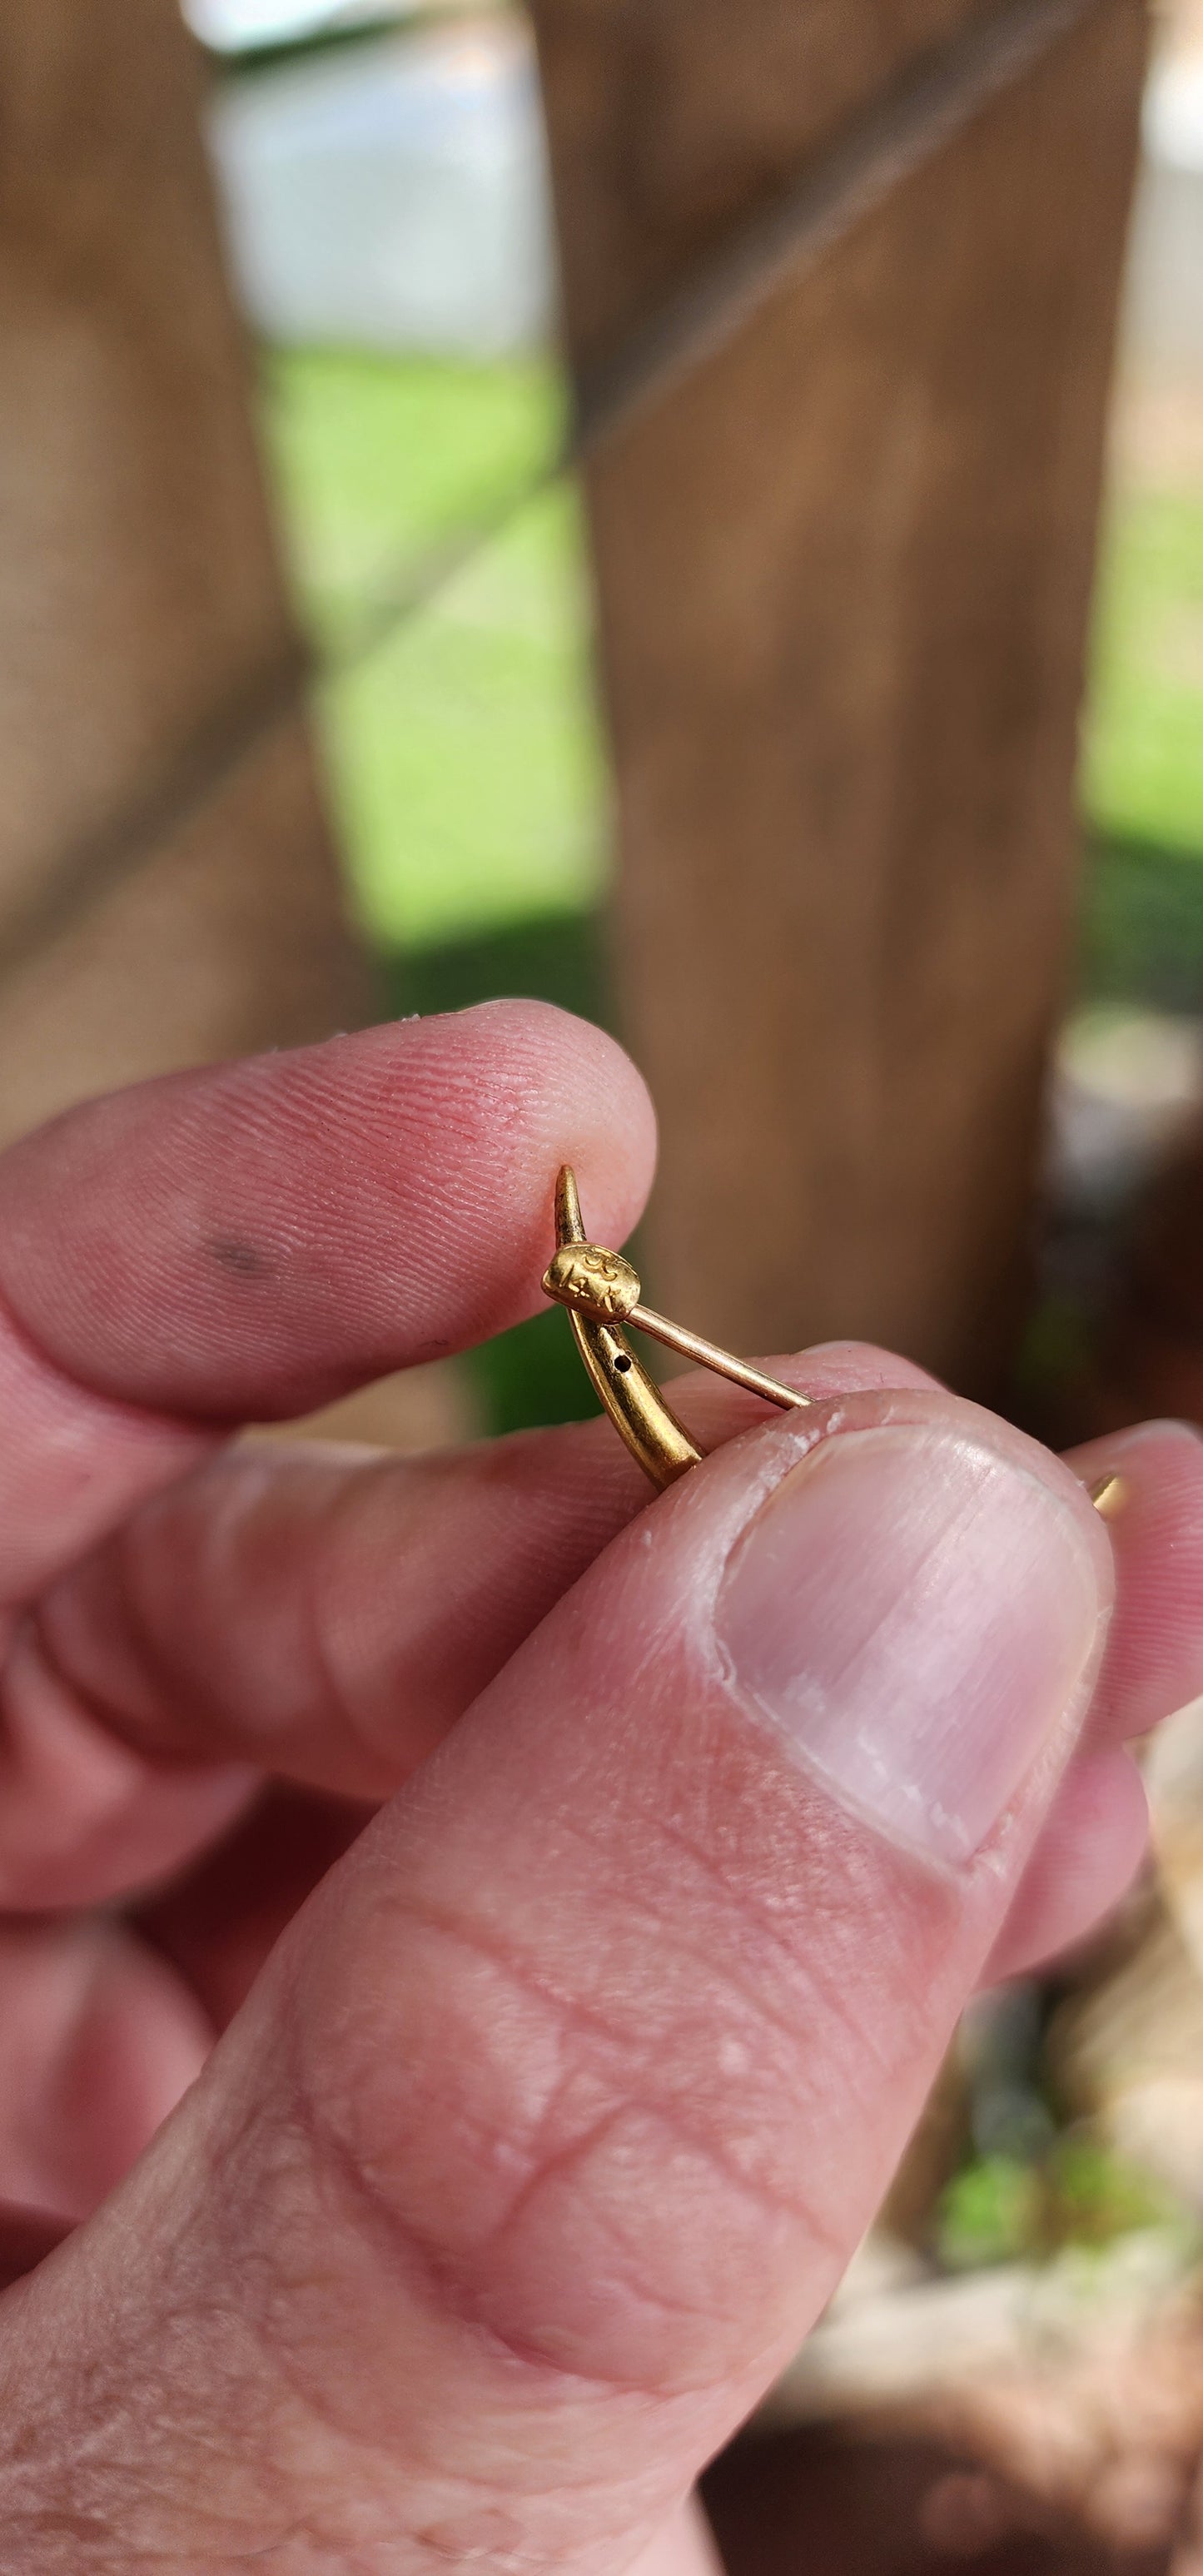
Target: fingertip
862 1368
587 1097
254 1238
1091 1848
1154 1659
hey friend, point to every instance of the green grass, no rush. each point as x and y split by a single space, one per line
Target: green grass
1005 2209
464 755
375 460
1142 776
467 771
1142 926
558 957
463 752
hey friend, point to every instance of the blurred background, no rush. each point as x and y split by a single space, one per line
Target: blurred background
386 210
696 514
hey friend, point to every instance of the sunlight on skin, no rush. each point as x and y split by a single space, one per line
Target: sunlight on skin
535 2140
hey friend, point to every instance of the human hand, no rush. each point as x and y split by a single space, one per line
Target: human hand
533 2144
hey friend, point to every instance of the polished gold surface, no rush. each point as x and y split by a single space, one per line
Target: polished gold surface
602 1291
1108 1494
596 1282
604 1285
632 1399
708 1355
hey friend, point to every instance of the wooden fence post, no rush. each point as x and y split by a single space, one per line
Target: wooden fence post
167 889
840 289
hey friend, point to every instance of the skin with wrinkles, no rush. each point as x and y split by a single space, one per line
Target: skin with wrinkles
569 2028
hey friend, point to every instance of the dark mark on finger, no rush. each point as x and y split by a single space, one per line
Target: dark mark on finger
244 1259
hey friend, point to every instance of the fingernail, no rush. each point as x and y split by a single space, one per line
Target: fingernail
915 1612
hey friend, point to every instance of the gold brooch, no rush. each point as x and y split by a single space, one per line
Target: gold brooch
602 1292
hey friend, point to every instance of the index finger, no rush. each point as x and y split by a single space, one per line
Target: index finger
250 1240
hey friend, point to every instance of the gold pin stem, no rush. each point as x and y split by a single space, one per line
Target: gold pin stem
601 1291
692 1347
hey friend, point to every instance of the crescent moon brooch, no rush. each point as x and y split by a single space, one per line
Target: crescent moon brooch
602 1291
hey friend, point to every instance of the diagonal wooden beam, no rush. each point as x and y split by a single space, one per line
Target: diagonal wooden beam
142 610
844 567
923 108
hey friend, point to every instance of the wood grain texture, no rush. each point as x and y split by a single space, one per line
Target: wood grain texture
141 587
843 574
670 125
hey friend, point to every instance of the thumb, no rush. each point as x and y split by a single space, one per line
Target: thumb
556 2115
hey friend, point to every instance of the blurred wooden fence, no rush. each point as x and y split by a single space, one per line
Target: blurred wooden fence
840 290
841 287
168 890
